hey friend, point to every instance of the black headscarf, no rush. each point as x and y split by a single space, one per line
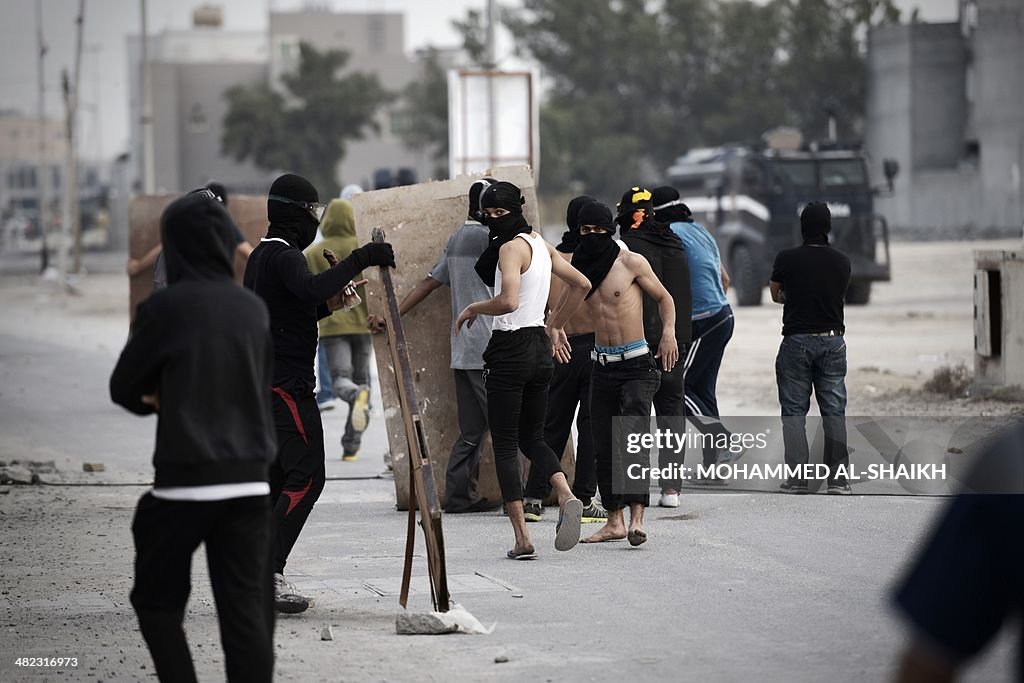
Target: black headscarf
571 237
668 207
291 222
500 195
596 252
815 223
636 220
198 239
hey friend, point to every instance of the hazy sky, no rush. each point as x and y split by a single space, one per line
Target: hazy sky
104 90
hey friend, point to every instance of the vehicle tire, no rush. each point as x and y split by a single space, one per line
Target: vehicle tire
745 278
858 293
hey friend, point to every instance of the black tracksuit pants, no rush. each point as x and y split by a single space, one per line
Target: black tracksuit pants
298 474
237 534
570 387
668 403
517 371
703 361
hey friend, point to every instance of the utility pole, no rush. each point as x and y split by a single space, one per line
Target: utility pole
148 162
76 217
70 208
43 167
492 96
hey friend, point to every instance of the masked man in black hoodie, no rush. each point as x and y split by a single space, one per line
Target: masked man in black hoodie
296 298
200 355
663 249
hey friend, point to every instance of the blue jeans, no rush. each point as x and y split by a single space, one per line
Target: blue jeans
324 391
807 362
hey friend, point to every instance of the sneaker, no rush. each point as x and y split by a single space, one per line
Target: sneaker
361 409
593 514
669 500
839 488
350 457
286 598
792 485
324 406
533 511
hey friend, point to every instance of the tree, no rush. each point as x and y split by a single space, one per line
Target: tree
634 83
304 130
424 112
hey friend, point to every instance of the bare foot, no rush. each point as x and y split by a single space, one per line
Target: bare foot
637 536
609 532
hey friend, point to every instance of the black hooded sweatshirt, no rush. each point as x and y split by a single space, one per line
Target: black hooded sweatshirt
203 344
278 272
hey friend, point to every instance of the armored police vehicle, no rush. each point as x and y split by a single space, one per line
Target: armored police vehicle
751 201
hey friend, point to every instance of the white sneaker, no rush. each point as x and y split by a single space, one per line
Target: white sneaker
286 598
669 500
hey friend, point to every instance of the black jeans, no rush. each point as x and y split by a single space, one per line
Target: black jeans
668 403
297 475
237 535
460 480
626 389
570 387
518 368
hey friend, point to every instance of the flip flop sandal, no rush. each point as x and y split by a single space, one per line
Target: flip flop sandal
567 533
512 555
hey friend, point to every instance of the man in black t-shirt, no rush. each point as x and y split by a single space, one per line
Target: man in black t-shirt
810 281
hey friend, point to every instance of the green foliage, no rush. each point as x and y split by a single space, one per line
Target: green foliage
634 83
424 112
305 130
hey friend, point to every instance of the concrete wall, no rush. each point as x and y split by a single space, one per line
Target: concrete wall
201 110
938 105
998 48
932 92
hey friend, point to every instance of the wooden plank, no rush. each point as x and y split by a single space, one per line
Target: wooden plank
422 484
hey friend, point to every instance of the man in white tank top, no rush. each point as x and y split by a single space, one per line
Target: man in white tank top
518 360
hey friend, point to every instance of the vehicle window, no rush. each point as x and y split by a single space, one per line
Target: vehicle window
842 172
797 173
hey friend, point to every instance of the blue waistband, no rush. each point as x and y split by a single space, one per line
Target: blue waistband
621 348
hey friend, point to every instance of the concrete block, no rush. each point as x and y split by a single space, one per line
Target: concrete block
15 474
249 212
422 624
418 220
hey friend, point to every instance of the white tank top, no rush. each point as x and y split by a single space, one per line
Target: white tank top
533 289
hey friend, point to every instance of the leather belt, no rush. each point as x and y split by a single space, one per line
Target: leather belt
606 358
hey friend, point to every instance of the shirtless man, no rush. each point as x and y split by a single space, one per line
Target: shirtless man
570 387
626 374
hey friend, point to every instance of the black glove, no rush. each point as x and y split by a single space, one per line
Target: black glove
374 254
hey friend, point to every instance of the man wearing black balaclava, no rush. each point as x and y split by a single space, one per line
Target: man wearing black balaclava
646 235
569 388
518 359
711 327
297 299
810 282
200 356
626 374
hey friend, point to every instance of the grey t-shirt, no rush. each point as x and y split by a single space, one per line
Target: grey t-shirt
455 269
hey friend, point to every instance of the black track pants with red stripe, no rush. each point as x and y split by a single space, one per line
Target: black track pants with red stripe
297 476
